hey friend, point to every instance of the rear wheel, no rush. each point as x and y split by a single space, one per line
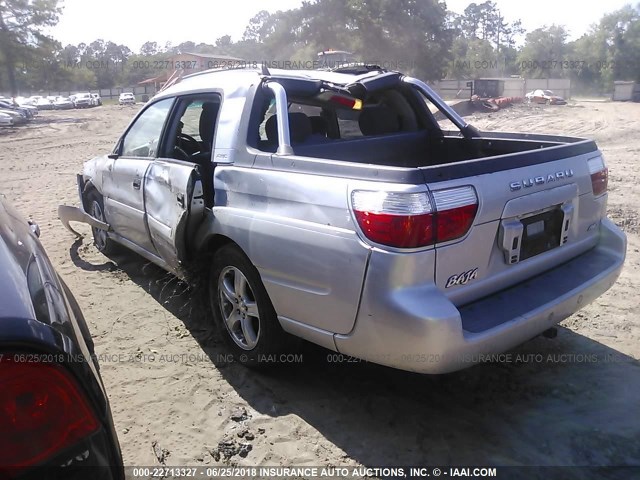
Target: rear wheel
100 238
241 308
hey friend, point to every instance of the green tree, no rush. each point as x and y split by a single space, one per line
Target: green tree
485 42
544 50
609 51
619 36
150 48
21 29
473 58
260 27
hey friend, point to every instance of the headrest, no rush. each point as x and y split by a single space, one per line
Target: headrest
299 128
378 120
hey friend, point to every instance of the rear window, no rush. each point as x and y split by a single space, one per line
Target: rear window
334 116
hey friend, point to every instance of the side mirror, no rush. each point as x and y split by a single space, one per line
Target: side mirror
115 154
35 228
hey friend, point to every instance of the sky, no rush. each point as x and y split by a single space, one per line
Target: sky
133 23
576 15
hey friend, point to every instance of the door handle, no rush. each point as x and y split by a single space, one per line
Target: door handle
136 183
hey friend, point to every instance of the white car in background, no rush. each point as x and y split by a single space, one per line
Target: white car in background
22 101
43 103
83 100
33 100
63 103
97 100
126 99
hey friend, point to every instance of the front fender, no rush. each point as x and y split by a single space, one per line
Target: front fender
68 213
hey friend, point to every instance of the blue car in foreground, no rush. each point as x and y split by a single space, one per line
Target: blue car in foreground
55 420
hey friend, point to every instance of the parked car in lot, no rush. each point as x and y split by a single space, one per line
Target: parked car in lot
33 100
63 103
44 103
22 101
333 207
83 100
19 118
126 99
6 120
97 100
27 111
55 419
545 96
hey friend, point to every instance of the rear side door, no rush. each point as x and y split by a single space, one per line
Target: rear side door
123 186
179 182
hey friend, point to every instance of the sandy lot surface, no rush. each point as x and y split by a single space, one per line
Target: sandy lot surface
175 400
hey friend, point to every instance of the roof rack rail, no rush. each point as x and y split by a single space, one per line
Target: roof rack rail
222 69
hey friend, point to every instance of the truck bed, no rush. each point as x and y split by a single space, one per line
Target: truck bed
418 149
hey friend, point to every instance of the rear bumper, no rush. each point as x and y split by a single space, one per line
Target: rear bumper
419 329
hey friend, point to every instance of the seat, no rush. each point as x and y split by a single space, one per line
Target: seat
207 124
318 125
299 128
379 120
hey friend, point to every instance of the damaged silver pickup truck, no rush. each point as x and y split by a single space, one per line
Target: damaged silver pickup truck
333 207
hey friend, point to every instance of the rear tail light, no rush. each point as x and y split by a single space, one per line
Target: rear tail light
412 220
456 208
353 103
599 175
42 411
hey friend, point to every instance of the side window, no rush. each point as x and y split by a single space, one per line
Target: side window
315 118
191 119
191 136
271 111
143 137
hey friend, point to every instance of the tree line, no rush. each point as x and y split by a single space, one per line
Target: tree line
420 37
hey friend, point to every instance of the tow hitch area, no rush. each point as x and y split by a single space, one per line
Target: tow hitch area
550 332
68 214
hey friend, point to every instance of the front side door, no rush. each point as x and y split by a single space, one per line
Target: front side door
123 187
178 182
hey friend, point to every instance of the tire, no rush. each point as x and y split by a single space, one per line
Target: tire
242 311
101 240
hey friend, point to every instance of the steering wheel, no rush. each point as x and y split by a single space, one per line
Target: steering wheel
187 144
180 154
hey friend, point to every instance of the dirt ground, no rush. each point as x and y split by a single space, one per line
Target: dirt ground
175 400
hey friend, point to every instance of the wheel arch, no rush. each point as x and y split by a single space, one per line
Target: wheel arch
87 188
213 242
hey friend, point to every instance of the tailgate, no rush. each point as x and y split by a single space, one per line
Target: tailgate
529 219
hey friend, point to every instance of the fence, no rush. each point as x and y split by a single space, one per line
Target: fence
513 87
105 93
449 89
